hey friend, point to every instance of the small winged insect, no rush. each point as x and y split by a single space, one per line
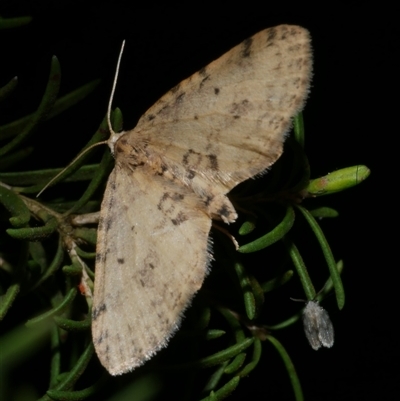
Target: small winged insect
317 326
173 171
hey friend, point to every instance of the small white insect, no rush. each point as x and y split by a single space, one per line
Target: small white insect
317 326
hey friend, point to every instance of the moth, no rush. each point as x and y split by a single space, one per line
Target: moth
317 326
224 124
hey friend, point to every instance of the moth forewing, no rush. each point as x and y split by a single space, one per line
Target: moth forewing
223 125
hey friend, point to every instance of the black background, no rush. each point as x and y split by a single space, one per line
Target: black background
350 119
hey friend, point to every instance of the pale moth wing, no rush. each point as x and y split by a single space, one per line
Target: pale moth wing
317 326
222 125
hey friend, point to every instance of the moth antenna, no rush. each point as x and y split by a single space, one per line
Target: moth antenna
316 295
108 123
70 164
113 89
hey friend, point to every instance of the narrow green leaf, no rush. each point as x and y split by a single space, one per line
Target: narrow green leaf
8 298
61 104
298 129
99 136
61 395
273 236
54 265
100 175
294 379
37 177
103 169
9 23
221 356
8 88
87 234
84 254
16 206
236 364
47 102
34 233
334 273
277 281
212 334
73 325
15 157
224 391
338 181
301 269
247 227
55 311
257 352
74 374
215 378
234 324
55 364
324 212
247 290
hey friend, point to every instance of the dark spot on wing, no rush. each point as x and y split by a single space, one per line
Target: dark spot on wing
223 211
213 161
179 98
179 219
208 199
271 34
203 71
177 196
153 340
216 91
241 108
162 169
246 51
177 301
191 158
204 80
175 88
191 174
170 206
163 109
151 117
98 311
108 223
103 336
185 157
164 197
121 261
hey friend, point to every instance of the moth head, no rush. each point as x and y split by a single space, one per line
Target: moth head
113 139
